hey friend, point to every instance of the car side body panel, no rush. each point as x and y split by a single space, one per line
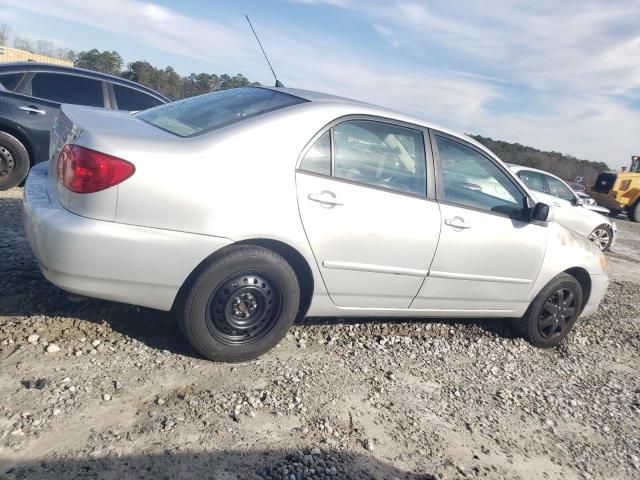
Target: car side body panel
239 184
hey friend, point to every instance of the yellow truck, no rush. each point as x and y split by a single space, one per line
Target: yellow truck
620 191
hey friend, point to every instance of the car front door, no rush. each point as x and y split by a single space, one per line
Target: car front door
489 255
367 212
567 211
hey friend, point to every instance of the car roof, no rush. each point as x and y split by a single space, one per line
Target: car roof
319 98
52 68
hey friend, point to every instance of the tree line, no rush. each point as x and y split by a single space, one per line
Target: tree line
564 166
164 80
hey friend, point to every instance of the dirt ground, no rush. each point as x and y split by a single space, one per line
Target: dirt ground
126 397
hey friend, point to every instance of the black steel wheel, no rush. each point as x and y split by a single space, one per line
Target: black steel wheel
244 308
553 313
240 305
14 161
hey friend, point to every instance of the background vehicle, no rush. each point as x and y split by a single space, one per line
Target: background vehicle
620 191
570 210
289 203
30 98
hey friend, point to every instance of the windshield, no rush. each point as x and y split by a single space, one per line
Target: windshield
214 110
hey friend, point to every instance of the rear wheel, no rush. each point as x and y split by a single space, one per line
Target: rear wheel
553 312
634 212
14 161
602 236
241 305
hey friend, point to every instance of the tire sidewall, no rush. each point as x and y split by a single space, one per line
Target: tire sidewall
196 305
21 158
608 229
533 315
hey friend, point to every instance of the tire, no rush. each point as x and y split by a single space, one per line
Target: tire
602 237
14 161
543 328
634 212
241 305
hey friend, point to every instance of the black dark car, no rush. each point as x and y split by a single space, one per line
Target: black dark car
30 97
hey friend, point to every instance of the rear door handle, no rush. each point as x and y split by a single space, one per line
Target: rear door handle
326 197
456 222
32 109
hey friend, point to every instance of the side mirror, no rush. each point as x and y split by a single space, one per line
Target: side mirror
542 213
578 202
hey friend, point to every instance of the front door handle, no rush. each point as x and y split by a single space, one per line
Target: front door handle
556 204
32 109
326 197
456 222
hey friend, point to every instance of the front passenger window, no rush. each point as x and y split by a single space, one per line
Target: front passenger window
472 180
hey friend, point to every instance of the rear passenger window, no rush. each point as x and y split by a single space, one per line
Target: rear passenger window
10 80
318 158
533 180
380 155
133 100
67 89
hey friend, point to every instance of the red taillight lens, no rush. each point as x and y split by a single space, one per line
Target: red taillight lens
82 170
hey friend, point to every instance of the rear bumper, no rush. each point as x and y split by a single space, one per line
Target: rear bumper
101 259
599 284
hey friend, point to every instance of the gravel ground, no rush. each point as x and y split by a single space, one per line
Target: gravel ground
101 390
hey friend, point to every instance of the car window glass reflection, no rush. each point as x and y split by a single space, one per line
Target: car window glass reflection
318 158
381 155
471 179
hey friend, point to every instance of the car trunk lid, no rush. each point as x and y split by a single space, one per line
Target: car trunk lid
107 132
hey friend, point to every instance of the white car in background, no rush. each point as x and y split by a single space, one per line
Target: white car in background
570 209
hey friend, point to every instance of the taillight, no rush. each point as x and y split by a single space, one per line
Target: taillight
83 170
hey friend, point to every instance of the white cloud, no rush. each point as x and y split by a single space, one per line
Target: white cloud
576 65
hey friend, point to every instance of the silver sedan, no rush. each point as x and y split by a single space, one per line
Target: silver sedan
246 209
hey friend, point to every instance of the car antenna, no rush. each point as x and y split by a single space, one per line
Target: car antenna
278 82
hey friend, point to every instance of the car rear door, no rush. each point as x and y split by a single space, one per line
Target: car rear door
366 209
489 255
36 103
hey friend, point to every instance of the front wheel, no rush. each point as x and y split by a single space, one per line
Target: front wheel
553 312
602 236
241 305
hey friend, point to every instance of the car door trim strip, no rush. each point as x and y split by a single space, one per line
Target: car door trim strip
366 267
484 278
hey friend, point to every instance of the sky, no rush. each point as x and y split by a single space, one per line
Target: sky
560 76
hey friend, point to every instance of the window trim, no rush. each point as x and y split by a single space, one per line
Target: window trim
527 199
28 89
428 158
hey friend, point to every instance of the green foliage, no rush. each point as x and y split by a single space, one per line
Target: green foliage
105 62
564 166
